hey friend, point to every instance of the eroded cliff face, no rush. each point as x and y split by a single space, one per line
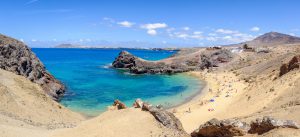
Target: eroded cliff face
16 57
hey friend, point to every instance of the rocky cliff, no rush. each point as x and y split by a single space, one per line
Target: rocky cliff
16 57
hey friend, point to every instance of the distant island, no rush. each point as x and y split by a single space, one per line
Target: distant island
68 45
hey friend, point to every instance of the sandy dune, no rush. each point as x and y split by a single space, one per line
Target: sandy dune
25 108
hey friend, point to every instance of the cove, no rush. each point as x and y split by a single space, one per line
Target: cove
92 85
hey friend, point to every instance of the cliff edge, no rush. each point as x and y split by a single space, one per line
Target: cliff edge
16 57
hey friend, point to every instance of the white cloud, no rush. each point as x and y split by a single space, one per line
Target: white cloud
154 26
33 40
225 31
254 29
238 37
186 28
201 44
227 37
197 32
197 37
22 40
170 30
152 32
292 34
126 24
211 38
151 28
212 34
184 36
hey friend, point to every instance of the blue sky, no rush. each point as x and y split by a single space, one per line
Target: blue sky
157 23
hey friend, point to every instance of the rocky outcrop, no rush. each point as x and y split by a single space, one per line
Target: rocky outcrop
119 104
138 103
234 127
146 106
174 64
16 57
266 124
292 64
223 128
166 118
124 60
214 58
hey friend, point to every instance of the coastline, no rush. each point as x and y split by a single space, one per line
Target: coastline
197 96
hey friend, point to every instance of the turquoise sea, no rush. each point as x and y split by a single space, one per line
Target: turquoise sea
92 85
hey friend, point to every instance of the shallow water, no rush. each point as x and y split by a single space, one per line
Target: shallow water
92 85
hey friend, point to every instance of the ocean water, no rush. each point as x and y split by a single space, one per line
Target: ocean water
92 85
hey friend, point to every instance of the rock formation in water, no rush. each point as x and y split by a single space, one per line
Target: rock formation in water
175 64
16 57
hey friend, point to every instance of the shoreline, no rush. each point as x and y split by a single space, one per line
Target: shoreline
194 96
202 91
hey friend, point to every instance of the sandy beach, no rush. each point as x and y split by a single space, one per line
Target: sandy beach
217 95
